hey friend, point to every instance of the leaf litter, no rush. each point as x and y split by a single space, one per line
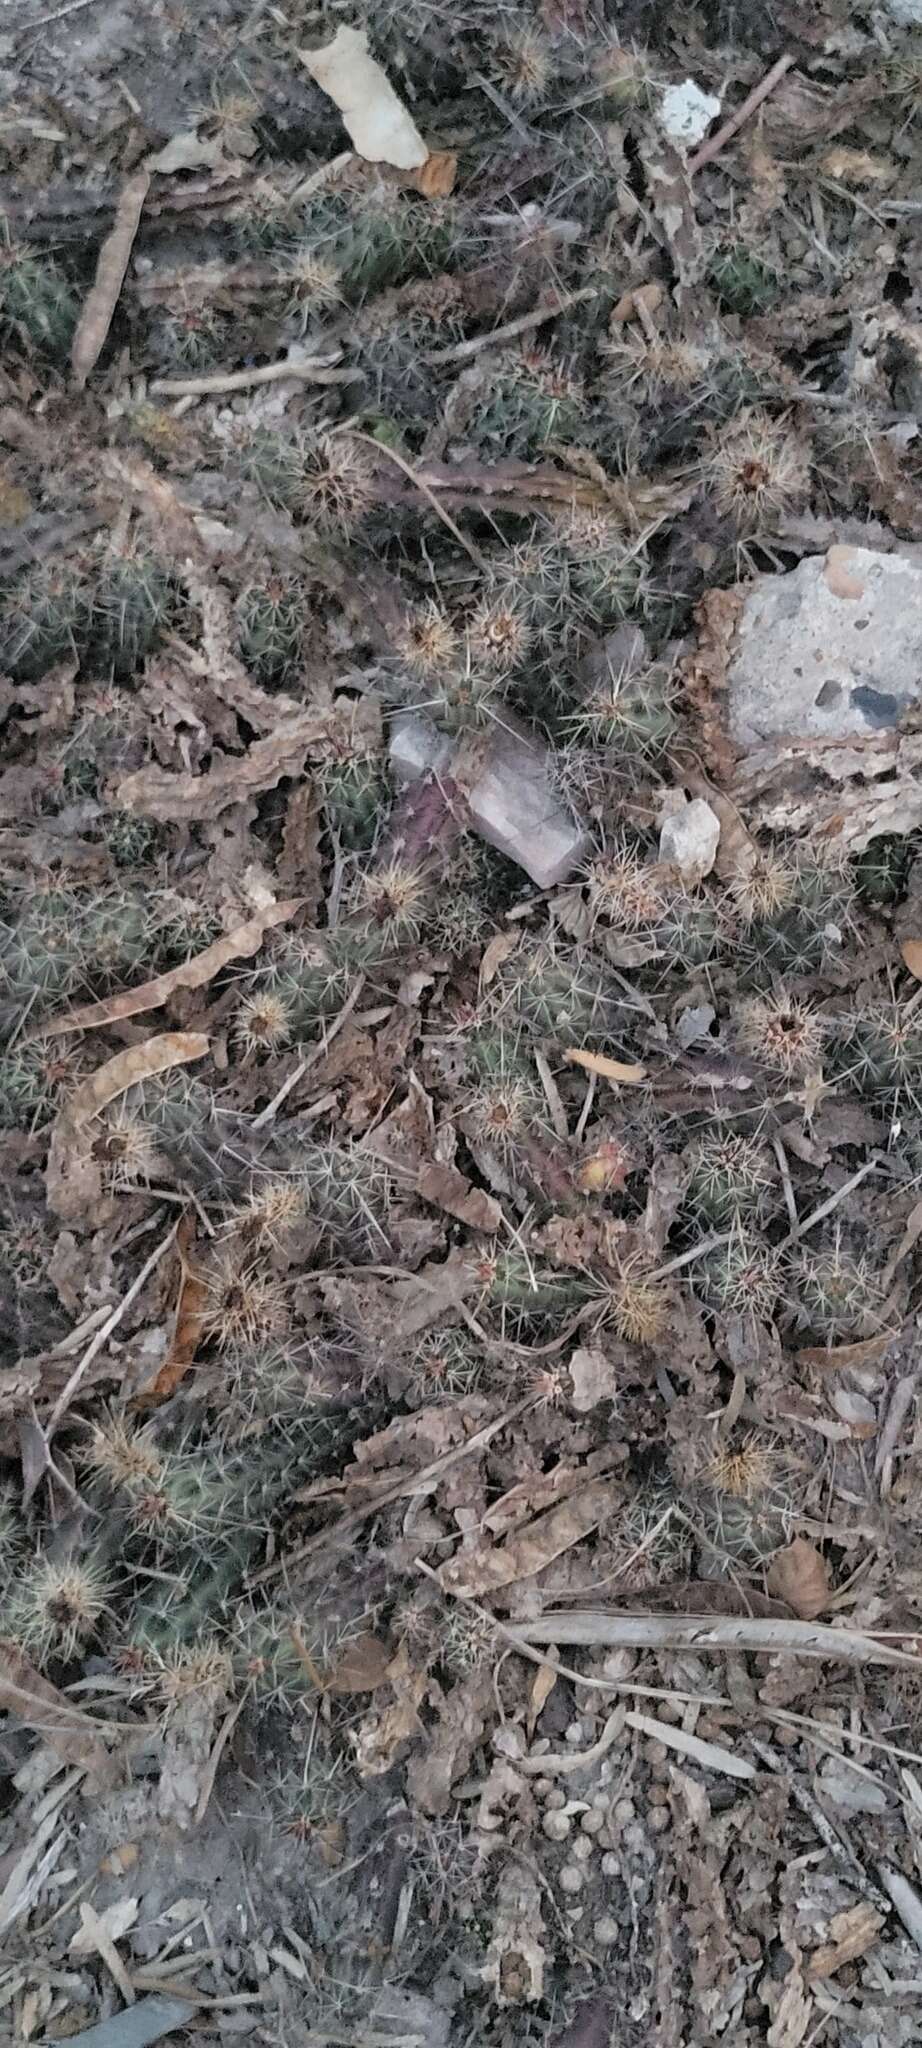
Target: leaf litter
459 1461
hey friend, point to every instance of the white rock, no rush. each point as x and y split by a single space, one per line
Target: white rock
688 840
686 113
831 651
513 805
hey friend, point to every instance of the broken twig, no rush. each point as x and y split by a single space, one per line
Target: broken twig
760 92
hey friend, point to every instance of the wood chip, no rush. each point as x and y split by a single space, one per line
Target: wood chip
535 1546
449 1189
171 798
610 1070
851 1934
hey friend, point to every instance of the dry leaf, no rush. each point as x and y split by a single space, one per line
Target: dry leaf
799 1576
792 2007
911 950
380 1735
447 1188
244 940
73 1735
856 167
501 947
543 1684
155 793
856 1410
610 1070
73 1179
535 1546
516 1962
364 1665
187 1325
96 318
375 119
844 1357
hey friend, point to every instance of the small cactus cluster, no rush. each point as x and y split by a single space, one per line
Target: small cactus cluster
306 978
878 1046
109 614
560 994
730 1178
37 306
271 625
57 942
835 1291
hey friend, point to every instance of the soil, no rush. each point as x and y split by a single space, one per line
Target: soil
459 1443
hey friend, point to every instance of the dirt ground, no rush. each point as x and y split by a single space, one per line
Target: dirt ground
459 1234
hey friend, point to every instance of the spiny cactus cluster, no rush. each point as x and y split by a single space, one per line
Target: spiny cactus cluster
108 612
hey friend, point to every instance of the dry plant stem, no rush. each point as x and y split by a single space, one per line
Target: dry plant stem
310 1058
96 317
105 1331
462 350
356 1516
760 92
826 1208
712 1632
381 448
315 370
785 1172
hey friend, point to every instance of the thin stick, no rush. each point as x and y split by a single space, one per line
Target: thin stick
105 1331
313 370
42 20
826 1208
381 448
785 1172
760 92
462 350
310 1058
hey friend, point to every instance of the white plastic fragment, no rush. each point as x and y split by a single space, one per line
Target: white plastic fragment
688 840
686 113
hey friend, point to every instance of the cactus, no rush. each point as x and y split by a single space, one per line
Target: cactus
624 890
43 621
730 1176
271 626
742 1277
632 1303
879 1046
54 1607
835 1291
244 1304
333 486
444 1364
632 715
354 792
757 470
36 302
521 61
35 1076
264 1021
192 339
882 871
741 282
349 1192
128 1150
427 642
782 1031
562 996
130 609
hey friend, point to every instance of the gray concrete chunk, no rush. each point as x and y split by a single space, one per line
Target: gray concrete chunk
832 651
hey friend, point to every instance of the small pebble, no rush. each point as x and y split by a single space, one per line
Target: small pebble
611 1866
542 1787
555 1797
606 1930
592 1821
572 1879
574 1734
583 1848
556 1826
623 1811
660 1820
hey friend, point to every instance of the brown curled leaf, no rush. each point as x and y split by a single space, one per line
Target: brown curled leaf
96 318
911 950
73 1179
73 1735
535 1546
799 1575
155 793
187 1324
446 1188
240 944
